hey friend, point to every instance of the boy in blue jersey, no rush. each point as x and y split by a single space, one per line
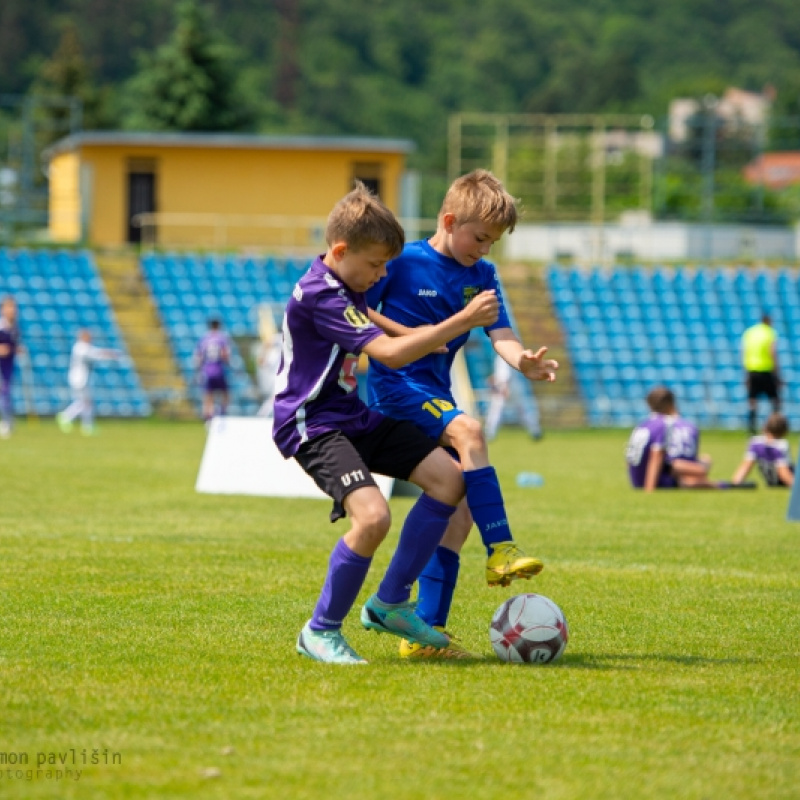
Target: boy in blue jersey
429 282
321 422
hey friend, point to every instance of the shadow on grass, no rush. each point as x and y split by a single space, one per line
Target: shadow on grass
609 661
585 661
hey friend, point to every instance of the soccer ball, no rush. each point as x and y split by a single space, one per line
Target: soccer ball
529 628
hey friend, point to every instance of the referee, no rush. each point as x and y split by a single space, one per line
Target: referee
760 360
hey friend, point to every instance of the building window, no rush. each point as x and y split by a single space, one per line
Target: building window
370 173
141 185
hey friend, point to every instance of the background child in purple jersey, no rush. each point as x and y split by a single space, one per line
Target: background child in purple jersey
662 452
212 356
320 420
9 348
771 452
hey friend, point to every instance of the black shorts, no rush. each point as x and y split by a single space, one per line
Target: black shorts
216 384
762 383
339 465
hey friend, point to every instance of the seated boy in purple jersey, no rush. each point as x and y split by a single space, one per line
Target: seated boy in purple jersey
662 449
320 420
212 356
771 452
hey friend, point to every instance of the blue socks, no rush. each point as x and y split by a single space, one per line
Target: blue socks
346 574
436 586
485 501
422 531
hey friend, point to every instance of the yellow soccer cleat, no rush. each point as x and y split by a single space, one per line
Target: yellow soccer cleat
452 650
507 563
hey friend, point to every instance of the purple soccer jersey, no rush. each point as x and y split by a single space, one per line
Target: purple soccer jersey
682 439
211 353
325 327
676 436
648 435
769 454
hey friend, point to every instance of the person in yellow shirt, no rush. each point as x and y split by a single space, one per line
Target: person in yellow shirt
760 360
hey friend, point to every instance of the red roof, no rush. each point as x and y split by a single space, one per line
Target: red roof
774 170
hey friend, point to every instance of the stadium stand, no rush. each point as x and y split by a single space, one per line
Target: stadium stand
630 328
57 293
190 289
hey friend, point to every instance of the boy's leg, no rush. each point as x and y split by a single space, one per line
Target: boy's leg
87 412
389 610
438 580
6 409
485 500
347 571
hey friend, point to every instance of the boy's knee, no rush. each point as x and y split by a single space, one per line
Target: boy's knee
440 477
467 431
375 521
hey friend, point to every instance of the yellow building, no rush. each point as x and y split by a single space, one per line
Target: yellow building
214 190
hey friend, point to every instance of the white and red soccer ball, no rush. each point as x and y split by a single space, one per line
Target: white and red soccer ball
529 629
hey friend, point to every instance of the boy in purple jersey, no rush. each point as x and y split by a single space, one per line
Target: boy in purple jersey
212 356
771 452
9 348
431 280
662 452
320 420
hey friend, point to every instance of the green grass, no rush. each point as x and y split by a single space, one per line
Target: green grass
143 619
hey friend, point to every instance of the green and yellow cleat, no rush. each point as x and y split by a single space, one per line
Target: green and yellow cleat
452 650
508 563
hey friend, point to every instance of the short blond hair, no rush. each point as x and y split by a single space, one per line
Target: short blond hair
360 219
479 196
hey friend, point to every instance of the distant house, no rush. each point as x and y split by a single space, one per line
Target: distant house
737 109
774 170
212 190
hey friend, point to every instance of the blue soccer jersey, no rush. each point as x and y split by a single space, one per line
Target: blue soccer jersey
425 287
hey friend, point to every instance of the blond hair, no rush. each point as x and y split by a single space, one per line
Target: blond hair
360 219
479 196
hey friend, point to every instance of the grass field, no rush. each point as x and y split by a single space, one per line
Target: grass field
153 629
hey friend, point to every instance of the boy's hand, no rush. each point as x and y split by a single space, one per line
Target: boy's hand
483 309
535 367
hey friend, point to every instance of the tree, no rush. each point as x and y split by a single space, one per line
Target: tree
190 83
64 92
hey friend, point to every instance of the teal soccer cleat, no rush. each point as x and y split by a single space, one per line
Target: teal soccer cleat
327 646
400 620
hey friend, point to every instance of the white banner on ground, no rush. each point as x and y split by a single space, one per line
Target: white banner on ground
241 458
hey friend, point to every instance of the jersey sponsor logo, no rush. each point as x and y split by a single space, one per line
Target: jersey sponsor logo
356 318
470 293
427 293
347 374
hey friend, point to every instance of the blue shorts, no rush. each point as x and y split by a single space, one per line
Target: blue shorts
427 411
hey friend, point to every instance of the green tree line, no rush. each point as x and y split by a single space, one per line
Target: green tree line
395 68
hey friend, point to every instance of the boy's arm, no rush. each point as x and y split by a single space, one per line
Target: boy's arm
654 464
743 470
388 326
392 328
534 366
786 475
397 351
